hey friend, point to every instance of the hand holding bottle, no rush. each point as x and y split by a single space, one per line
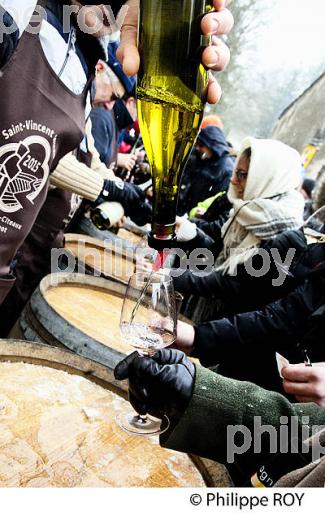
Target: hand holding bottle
216 57
130 196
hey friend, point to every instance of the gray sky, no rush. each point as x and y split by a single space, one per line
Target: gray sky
295 34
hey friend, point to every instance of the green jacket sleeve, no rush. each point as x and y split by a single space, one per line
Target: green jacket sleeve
220 406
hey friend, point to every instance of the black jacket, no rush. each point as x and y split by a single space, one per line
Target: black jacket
260 317
244 291
214 217
245 344
203 179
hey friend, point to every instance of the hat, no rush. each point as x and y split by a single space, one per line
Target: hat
213 120
213 138
112 61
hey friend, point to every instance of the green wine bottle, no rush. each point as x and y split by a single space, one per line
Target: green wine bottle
170 90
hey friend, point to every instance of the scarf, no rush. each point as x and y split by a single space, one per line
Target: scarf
271 203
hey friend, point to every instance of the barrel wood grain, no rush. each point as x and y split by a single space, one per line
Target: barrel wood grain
102 257
58 428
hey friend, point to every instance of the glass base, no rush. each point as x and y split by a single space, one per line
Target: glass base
135 424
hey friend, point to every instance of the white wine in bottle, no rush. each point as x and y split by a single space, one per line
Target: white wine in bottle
170 92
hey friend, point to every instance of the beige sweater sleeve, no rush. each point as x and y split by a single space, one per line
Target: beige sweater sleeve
72 175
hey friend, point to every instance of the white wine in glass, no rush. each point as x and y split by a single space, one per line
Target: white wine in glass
148 323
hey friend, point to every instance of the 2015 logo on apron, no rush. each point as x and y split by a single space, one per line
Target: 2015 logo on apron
24 170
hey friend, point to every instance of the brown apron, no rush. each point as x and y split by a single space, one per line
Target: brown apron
41 121
33 260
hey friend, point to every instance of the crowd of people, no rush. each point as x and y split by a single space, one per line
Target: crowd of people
69 140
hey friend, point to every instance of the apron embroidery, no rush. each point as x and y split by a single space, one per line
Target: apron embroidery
22 172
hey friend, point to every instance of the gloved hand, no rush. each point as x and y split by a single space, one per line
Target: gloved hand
159 385
130 196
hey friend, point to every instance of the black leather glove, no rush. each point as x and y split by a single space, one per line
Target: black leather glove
130 196
159 385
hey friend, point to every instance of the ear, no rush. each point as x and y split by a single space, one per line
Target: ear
130 101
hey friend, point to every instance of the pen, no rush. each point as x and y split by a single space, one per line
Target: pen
306 358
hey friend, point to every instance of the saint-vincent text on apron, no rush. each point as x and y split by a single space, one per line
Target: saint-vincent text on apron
28 124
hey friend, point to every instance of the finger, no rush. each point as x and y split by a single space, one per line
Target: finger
299 373
298 388
169 356
214 91
305 399
217 55
122 370
127 53
217 23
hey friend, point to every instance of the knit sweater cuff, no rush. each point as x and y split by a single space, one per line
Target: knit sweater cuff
72 175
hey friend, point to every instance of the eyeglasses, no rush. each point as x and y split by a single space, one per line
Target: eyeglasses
241 175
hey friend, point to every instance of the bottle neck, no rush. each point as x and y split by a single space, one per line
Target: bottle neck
162 236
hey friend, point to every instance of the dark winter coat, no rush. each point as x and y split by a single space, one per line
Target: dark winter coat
245 291
244 345
254 327
105 134
205 178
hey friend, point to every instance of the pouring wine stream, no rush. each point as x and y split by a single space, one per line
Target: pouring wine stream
158 264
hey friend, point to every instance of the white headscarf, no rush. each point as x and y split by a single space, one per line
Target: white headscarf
271 202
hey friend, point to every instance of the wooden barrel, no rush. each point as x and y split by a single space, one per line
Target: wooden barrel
58 428
77 312
80 313
129 238
100 257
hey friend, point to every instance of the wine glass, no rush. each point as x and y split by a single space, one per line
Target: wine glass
148 323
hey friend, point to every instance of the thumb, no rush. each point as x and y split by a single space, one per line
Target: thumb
122 369
128 55
127 52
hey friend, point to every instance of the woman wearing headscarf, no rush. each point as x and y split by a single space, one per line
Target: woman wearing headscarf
266 202
265 199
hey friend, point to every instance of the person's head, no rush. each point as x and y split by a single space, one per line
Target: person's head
109 87
211 142
125 109
203 151
307 188
274 169
239 177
